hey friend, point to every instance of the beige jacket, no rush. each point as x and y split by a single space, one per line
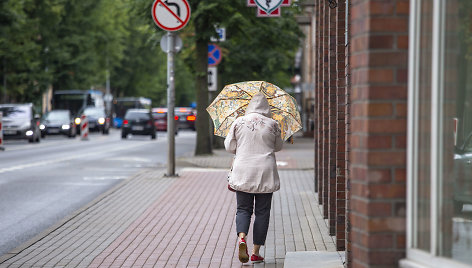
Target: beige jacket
254 138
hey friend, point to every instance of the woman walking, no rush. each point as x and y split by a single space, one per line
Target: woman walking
254 138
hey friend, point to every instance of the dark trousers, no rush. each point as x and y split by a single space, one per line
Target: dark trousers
244 212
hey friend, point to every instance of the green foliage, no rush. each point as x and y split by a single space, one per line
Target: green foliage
18 40
92 35
71 45
261 49
256 49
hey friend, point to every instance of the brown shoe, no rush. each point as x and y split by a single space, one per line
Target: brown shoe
243 255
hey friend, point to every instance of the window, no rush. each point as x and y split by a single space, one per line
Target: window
440 134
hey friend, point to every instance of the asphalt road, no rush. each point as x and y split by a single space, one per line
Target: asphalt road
40 184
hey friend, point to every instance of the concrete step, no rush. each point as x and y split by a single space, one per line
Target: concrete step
318 259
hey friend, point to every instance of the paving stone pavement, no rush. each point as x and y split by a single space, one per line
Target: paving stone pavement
187 221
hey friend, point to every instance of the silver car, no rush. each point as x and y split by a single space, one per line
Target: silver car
20 122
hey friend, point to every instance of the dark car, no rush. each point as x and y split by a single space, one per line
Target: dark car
463 176
20 122
138 122
58 122
186 117
97 119
160 120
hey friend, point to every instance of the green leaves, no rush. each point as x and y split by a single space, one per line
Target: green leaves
71 45
256 49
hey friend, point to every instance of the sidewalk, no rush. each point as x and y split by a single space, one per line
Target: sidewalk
154 221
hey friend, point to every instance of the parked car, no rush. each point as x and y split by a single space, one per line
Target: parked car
187 117
463 176
138 122
20 122
97 119
58 122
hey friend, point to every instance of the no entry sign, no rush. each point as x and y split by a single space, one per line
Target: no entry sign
171 15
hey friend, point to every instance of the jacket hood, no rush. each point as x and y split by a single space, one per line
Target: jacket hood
259 104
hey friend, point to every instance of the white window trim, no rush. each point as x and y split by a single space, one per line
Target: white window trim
420 259
417 258
436 119
413 68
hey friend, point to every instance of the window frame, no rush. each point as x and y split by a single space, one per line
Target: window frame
417 257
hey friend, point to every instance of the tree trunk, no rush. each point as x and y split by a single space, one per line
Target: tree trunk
203 145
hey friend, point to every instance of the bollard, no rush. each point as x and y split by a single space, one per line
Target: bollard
1 132
84 128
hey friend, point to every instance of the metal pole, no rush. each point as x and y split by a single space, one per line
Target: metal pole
170 106
108 93
4 80
107 90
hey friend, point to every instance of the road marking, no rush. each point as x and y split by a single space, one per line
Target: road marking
197 169
134 159
63 159
281 163
102 178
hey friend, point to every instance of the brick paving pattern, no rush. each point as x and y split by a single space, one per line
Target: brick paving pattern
188 221
75 242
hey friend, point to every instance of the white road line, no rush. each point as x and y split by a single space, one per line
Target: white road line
63 159
102 178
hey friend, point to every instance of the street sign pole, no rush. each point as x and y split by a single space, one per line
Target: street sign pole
170 106
170 16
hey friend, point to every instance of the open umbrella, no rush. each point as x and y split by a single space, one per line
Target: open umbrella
232 101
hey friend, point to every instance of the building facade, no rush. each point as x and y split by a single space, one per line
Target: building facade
392 128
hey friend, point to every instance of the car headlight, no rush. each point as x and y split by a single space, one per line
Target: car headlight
42 127
29 133
77 121
101 120
65 127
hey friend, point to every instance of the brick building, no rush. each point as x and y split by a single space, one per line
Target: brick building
389 93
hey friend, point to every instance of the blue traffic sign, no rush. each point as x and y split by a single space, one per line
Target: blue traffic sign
214 55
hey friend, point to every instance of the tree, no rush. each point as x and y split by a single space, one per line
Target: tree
92 37
261 49
19 51
205 15
255 50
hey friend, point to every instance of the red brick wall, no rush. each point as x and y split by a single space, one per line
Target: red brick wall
315 44
330 112
319 103
347 120
325 111
340 126
332 116
379 32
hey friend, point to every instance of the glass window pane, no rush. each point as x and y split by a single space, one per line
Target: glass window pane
455 231
423 177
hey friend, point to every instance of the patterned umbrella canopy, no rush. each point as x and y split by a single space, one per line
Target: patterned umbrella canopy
232 101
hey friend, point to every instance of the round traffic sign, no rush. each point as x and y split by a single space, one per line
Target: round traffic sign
171 15
214 55
177 43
